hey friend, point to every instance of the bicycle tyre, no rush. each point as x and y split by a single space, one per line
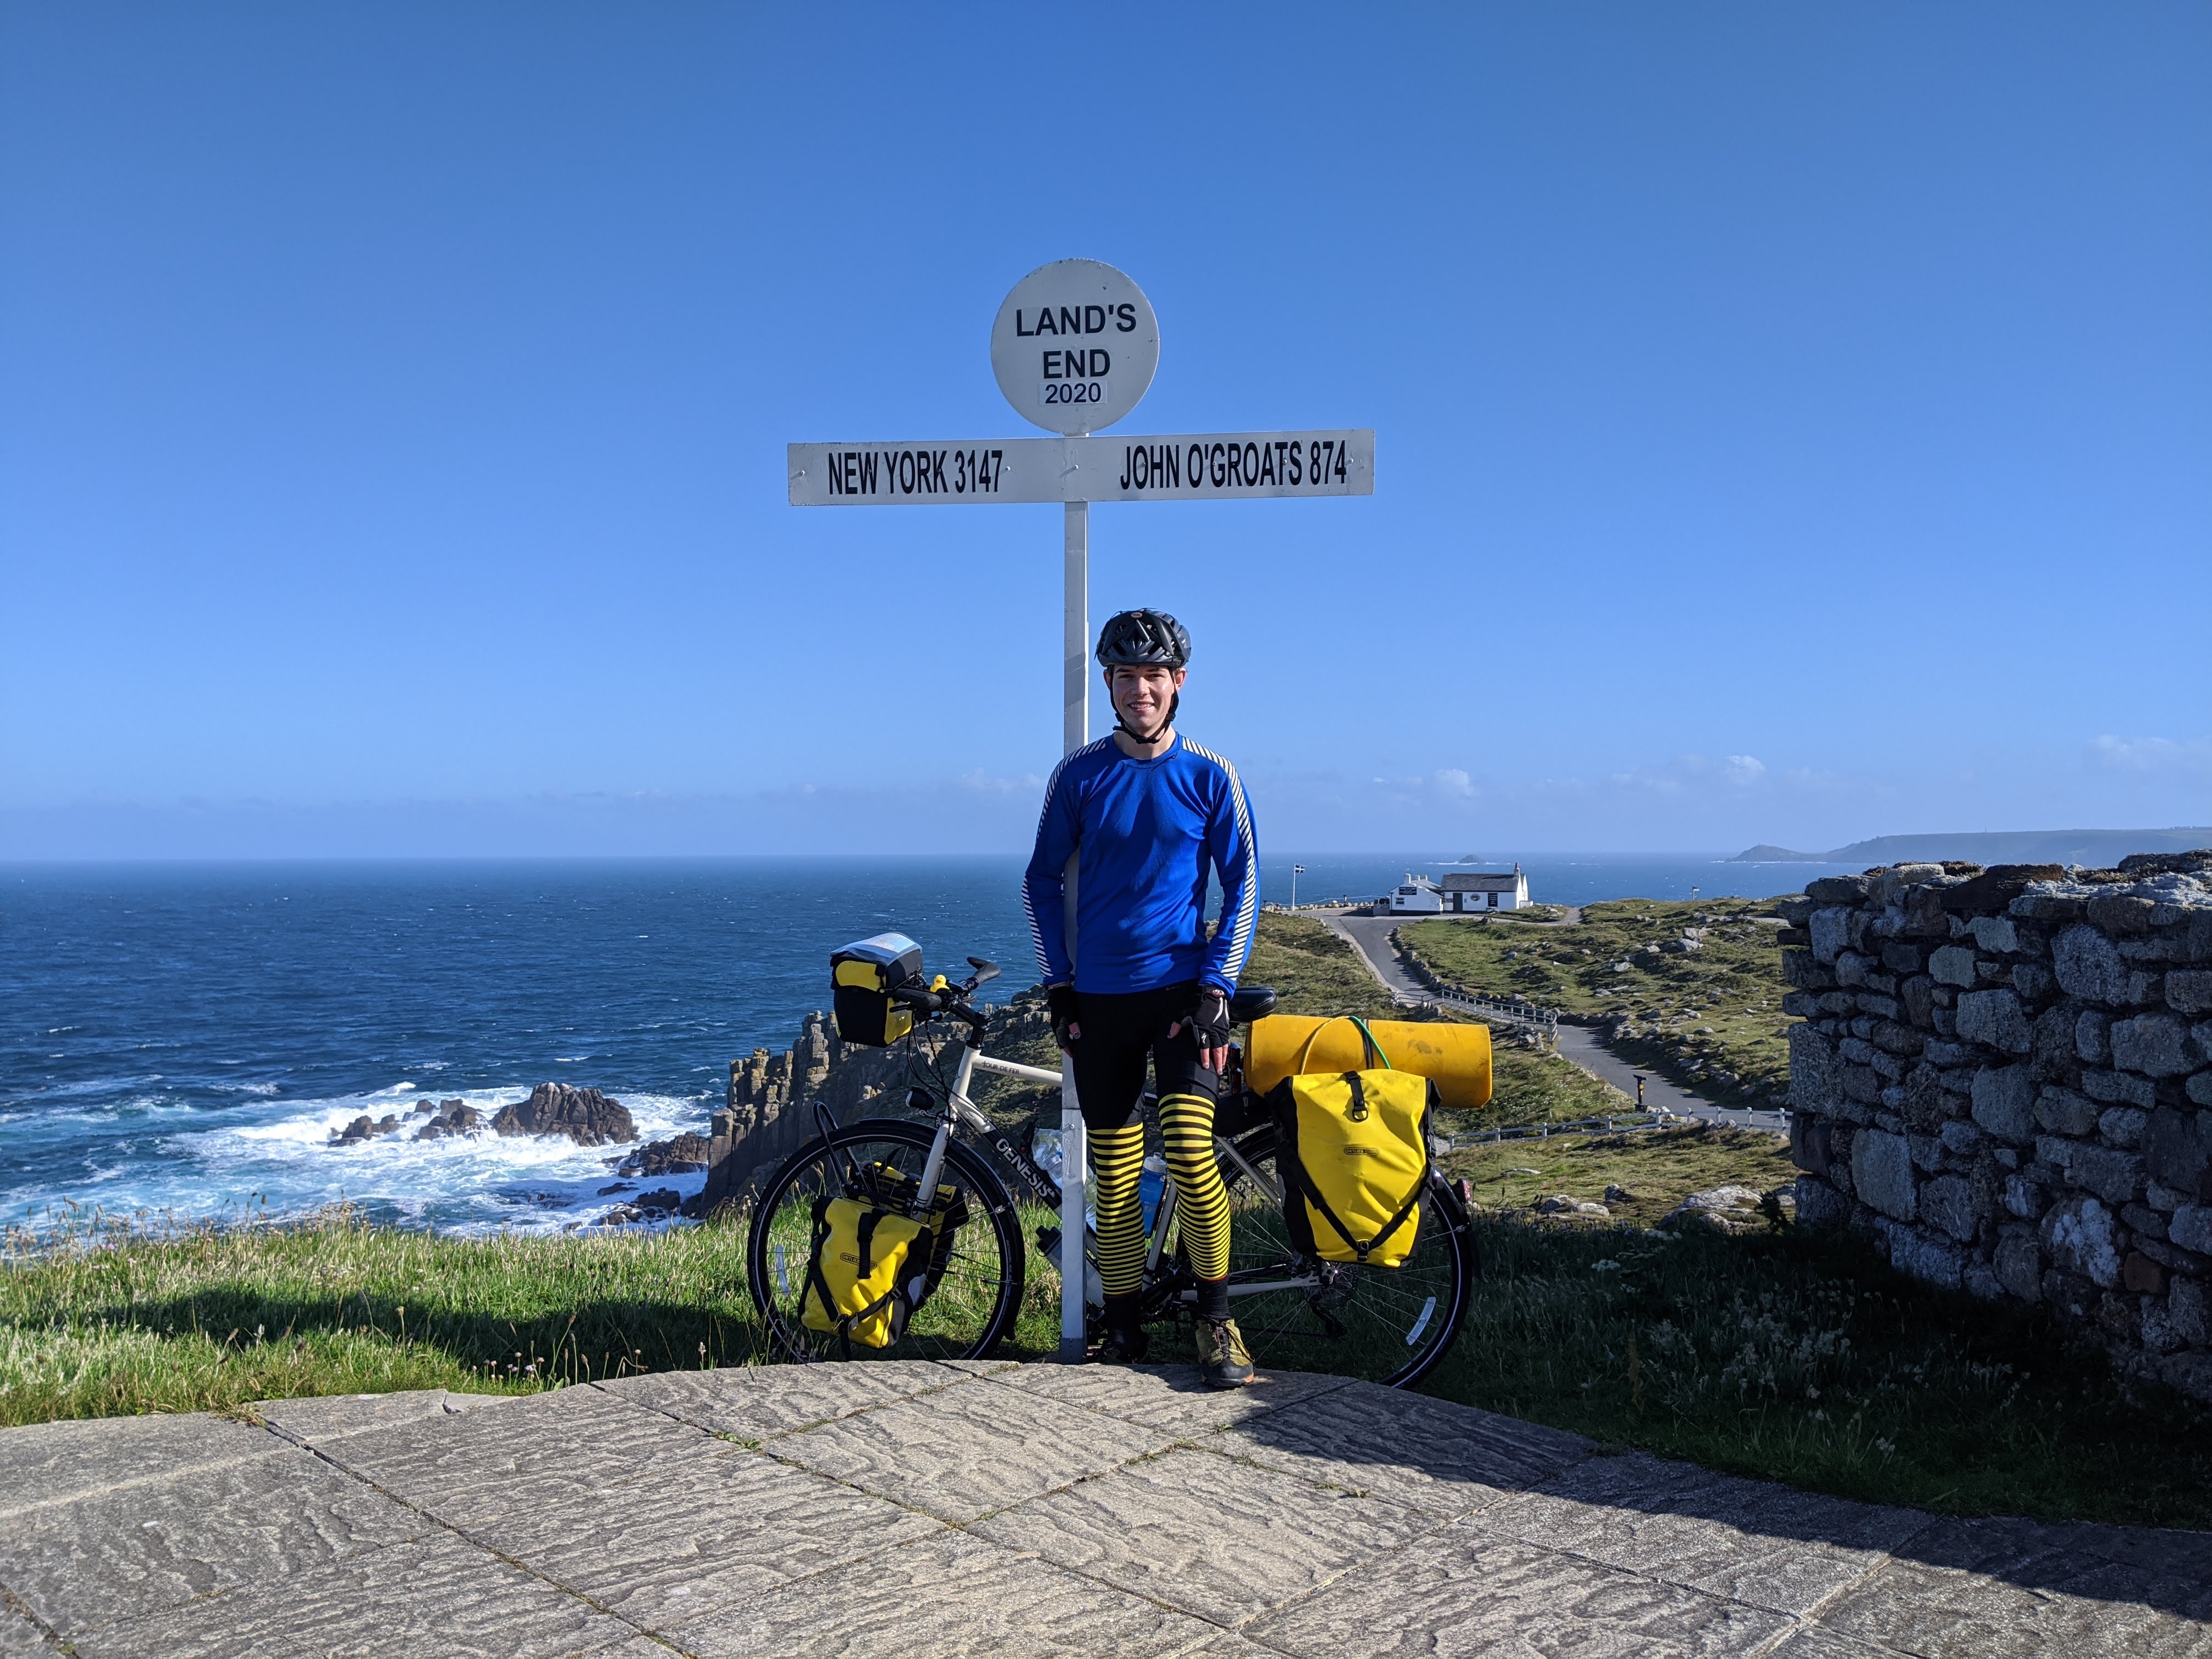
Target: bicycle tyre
1420 1306
984 1299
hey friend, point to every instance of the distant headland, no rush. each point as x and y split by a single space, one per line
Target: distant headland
2098 849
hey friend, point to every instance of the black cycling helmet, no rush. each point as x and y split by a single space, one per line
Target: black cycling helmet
1144 639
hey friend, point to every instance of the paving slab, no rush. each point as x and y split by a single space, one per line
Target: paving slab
52 1463
1198 1533
332 1417
1453 1592
440 1597
1430 1455
21 1639
962 1453
701 1537
1812 1641
574 1448
956 1595
2174 1566
871 1507
1748 1540
1168 1397
757 1402
1228 1645
160 1543
2096 1609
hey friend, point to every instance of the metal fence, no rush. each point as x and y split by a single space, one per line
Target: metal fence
1635 1123
1522 1016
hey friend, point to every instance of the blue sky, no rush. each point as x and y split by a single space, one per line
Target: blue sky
1793 423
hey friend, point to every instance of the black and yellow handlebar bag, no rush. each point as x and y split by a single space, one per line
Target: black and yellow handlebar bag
866 1269
862 976
1353 1153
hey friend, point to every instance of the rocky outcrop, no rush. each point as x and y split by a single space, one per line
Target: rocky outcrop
2003 1077
364 1128
1564 1204
585 1115
677 1155
658 1205
451 1117
1728 1210
769 1115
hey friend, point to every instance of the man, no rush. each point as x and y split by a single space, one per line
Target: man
1146 813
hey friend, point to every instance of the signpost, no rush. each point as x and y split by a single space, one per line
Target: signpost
1074 347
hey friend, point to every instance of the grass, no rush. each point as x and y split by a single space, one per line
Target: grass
1710 1019
1658 1169
1791 1358
1313 971
1808 1360
107 1319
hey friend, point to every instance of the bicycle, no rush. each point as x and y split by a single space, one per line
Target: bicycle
1391 1325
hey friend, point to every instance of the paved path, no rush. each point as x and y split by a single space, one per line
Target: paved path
1370 936
916 1510
1587 1049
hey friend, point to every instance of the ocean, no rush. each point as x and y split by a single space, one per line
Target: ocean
182 1038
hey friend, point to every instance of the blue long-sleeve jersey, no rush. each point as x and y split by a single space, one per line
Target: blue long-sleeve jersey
1147 831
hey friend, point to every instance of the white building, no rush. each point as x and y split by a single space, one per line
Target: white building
1505 891
1416 895
1459 894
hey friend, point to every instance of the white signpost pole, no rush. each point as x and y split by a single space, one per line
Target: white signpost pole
1074 733
1074 347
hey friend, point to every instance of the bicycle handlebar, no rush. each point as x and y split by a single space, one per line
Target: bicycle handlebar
953 999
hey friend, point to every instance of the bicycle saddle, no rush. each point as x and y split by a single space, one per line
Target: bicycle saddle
1251 1002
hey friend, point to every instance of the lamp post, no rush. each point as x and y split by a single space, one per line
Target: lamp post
1297 870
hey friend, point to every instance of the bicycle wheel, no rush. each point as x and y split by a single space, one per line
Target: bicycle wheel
1389 1325
977 1284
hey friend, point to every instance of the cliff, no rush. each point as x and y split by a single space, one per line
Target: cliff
768 1113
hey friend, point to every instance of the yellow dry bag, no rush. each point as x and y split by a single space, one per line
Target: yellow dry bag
1353 1152
1456 1057
866 1270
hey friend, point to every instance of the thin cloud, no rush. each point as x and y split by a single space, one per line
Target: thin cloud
2151 754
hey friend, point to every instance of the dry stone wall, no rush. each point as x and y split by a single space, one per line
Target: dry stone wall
2004 1077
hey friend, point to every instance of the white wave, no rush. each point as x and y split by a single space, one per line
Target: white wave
472 1183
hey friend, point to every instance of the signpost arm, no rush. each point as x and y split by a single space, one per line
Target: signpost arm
1075 732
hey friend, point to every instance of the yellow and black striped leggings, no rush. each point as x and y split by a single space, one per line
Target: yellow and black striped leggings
1119 1035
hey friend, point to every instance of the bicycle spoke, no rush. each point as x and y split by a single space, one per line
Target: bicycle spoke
1388 1324
971 1290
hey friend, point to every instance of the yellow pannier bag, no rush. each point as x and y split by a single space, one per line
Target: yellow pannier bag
1456 1057
866 1270
1353 1150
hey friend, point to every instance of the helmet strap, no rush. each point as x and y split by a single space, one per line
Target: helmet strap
1175 703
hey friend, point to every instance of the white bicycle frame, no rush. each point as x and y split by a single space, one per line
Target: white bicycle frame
965 1111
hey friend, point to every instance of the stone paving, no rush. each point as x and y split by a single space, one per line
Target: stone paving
922 1509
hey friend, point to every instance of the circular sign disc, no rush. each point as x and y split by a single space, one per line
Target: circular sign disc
1075 346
